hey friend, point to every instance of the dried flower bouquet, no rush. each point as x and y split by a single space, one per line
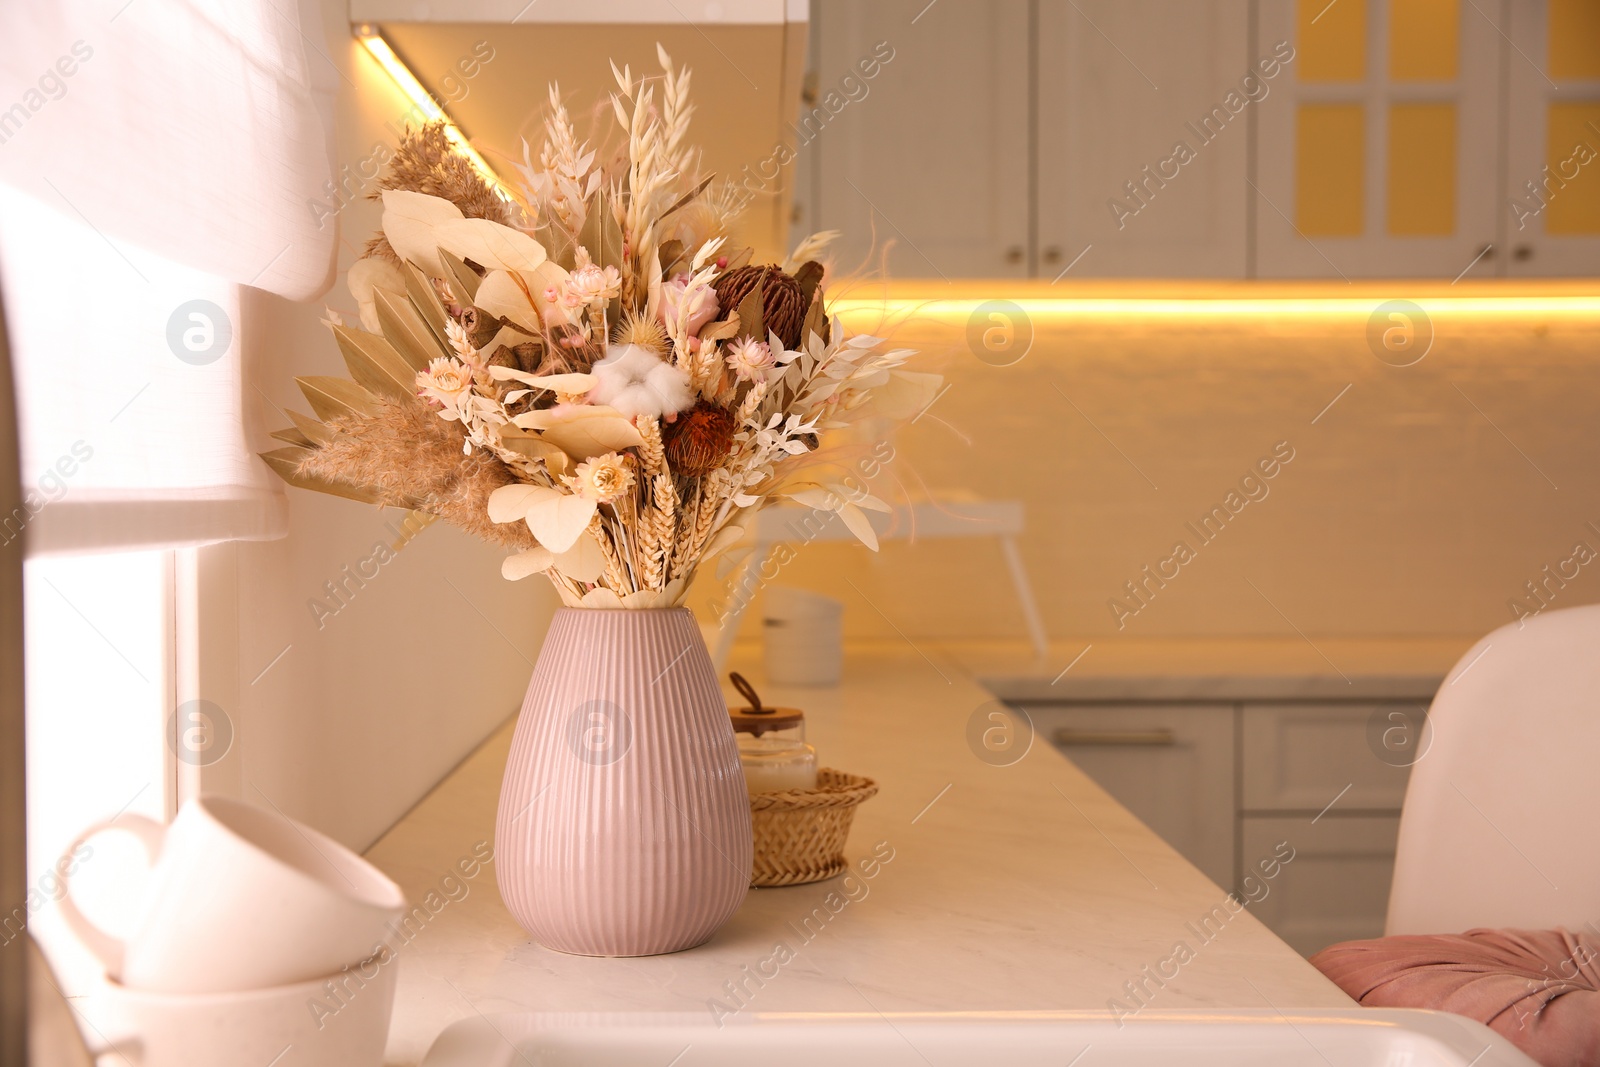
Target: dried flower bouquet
587 375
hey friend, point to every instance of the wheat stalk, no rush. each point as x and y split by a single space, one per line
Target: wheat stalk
653 453
709 365
616 576
667 517
570 585
713 488
656 528
684 528
751 404
656 160
675 113
650 550
625 525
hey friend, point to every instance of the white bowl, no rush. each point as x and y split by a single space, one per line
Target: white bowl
338 1020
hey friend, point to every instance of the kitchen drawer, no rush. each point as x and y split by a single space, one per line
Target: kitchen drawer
1172 766
1336 888
1299 757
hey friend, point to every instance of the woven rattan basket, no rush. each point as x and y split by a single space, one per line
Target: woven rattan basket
800 834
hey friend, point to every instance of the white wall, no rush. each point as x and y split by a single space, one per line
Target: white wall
369 707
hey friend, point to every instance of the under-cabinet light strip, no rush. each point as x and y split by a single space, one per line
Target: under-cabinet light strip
371 38
1216 307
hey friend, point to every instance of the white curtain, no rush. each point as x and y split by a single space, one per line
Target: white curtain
186 127
155 157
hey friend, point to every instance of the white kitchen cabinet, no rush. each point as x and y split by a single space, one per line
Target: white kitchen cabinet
1380 156
1344 140
1122 85
1550 219
929 157
1171 765
1308 757
1225 783
1337 886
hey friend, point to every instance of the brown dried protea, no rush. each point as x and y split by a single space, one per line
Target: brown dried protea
783 302
697 442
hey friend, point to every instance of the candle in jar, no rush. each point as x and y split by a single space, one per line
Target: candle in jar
772 765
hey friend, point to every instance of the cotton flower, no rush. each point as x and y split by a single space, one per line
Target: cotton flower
702 304
602 478
635 381
749 359
448 382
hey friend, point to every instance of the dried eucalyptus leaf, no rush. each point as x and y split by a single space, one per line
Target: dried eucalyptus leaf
808 277
687 198
816 322
721 331
670 252
750 313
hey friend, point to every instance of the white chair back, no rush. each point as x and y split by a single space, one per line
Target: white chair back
1501 815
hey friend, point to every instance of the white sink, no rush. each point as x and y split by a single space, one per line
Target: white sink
1256 1038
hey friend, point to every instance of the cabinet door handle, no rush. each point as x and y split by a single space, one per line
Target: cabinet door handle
1014 254
1107 738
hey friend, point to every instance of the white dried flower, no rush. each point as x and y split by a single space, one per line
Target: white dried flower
749 359
447 382
591 284
602 478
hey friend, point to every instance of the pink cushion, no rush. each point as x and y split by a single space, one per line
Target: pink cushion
1539 989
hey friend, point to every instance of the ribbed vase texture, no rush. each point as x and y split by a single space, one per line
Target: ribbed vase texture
624 822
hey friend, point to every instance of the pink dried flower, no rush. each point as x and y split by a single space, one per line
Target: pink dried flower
702 306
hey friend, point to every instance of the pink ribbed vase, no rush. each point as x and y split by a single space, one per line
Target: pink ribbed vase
624 823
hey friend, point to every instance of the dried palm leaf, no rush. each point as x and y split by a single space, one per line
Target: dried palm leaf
377 443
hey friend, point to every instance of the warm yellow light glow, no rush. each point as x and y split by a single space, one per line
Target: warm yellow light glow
372 40
1218 307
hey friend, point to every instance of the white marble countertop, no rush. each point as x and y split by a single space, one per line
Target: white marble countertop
1127 670
995 887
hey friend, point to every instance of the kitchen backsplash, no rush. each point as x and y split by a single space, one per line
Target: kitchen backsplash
1252 474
